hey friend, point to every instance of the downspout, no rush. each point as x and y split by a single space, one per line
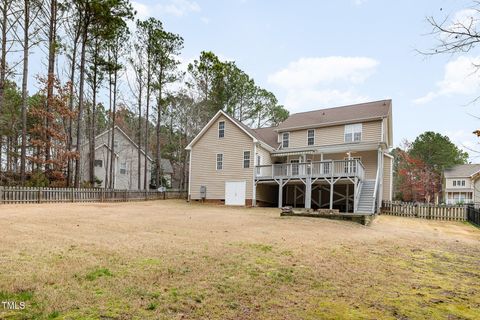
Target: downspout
190 175
254 187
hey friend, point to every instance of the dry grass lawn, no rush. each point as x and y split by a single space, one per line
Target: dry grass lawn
173 260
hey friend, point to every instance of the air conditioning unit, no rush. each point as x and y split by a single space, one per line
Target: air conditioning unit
203 192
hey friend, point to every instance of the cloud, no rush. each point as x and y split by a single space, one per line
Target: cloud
177 8
359 2
309 82
465 140
460 78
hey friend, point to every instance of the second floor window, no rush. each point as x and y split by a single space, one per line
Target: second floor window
459 183
219 161
353 132
285 139
221 129
311 137
246 159
98 163
123 168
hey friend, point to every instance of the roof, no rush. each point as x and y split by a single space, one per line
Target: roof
126 136
268 135
462 170
345 114
249 131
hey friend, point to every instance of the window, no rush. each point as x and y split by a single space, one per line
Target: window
285 139
311 137
115 144
98 163
219 161
295 164
353 132
459 183
246 159
259 161
221 129
123 168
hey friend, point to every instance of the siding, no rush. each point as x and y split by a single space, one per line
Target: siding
387 178
127 153
325 136
203 159
449 184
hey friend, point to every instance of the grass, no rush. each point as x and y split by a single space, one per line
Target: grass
206 266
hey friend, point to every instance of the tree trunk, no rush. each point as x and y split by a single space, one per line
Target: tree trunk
52 31
158 156
78 161
140 129
112 157
145 185
26 28
91 144
70 120
3 66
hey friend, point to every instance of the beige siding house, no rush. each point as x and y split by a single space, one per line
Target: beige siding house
461 184
328 158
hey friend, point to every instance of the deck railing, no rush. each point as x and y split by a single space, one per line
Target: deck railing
316 169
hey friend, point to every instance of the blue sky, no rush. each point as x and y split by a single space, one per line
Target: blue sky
319 54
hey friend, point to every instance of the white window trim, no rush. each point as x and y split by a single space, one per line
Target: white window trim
249 159
308 130
288 140
352 129
216 161
218 129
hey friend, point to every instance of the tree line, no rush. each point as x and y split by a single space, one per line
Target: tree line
105 68
418 167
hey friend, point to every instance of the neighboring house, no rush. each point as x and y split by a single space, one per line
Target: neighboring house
328 158
125 161
461 184
167 172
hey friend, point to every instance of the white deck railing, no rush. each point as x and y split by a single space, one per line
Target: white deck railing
317 169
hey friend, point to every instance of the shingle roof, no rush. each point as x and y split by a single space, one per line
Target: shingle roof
268 135
345 114
462 170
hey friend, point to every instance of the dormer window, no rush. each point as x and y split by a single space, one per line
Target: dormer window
311 137
353 132
285 139
459 183
221 129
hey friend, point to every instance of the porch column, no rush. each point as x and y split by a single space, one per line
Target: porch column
331 194
280 193
254 196
308 193
347 195
355 195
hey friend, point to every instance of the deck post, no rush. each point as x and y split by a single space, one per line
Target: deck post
355 194
331 194
254 197
346 198
308 193
280 193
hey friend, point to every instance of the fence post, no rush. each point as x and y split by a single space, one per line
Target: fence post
39 195
2 195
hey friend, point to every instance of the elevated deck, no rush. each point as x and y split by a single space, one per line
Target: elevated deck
331 169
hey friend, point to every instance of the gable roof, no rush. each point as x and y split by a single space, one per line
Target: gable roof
345 114
247 130
126 136
462 170
166 165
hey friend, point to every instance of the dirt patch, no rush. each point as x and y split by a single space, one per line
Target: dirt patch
170 259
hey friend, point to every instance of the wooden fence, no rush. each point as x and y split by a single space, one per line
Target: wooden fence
425 211
11 195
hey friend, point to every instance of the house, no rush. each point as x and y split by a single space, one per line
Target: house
333 158
461 184
125 162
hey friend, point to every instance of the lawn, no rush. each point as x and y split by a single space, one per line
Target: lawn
173 260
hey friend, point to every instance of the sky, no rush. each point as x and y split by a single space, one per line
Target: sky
321 54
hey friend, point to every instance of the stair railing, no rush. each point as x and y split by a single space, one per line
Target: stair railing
357 196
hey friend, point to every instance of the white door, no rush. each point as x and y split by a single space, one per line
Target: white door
235 193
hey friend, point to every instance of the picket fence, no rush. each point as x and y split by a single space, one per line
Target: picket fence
14 195
426 211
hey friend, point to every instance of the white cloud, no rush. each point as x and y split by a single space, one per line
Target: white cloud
310 82
359 2
460 78
467 141
177 8
205 20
